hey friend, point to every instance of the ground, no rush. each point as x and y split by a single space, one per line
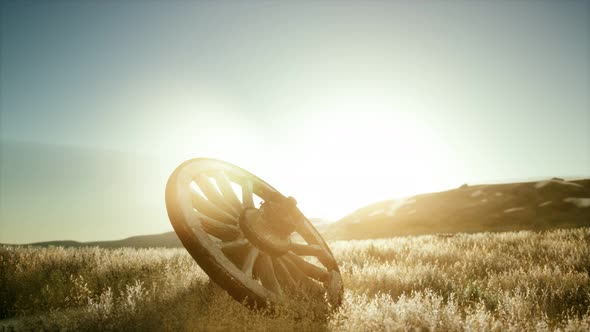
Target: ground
485 281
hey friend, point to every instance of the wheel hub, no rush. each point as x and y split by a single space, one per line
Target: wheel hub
269 228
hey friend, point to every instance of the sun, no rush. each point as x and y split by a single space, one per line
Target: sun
348 159
334 156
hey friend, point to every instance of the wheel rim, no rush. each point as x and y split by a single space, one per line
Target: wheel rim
212 207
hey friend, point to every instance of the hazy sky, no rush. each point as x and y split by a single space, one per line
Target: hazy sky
339 104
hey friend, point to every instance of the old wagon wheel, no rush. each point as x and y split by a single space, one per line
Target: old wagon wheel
259 253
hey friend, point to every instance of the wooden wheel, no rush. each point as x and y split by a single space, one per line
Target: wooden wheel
249 238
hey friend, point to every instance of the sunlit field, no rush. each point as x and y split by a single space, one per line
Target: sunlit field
486 281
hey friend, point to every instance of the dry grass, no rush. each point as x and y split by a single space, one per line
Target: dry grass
504 281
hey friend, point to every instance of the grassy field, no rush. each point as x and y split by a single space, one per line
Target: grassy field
487 281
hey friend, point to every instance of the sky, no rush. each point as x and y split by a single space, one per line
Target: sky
339 104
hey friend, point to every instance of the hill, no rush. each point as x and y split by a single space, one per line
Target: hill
164 240
539 205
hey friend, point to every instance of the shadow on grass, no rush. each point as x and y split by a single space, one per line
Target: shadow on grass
202 306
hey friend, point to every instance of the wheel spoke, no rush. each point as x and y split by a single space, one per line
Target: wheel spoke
209 209
301 279
236 244
309 269
218 229
265 271
250 260
213 195
284 274
227 191
306 233
306 249
247 199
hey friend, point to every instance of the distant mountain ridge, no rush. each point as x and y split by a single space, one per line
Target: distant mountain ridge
539 205
163 240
